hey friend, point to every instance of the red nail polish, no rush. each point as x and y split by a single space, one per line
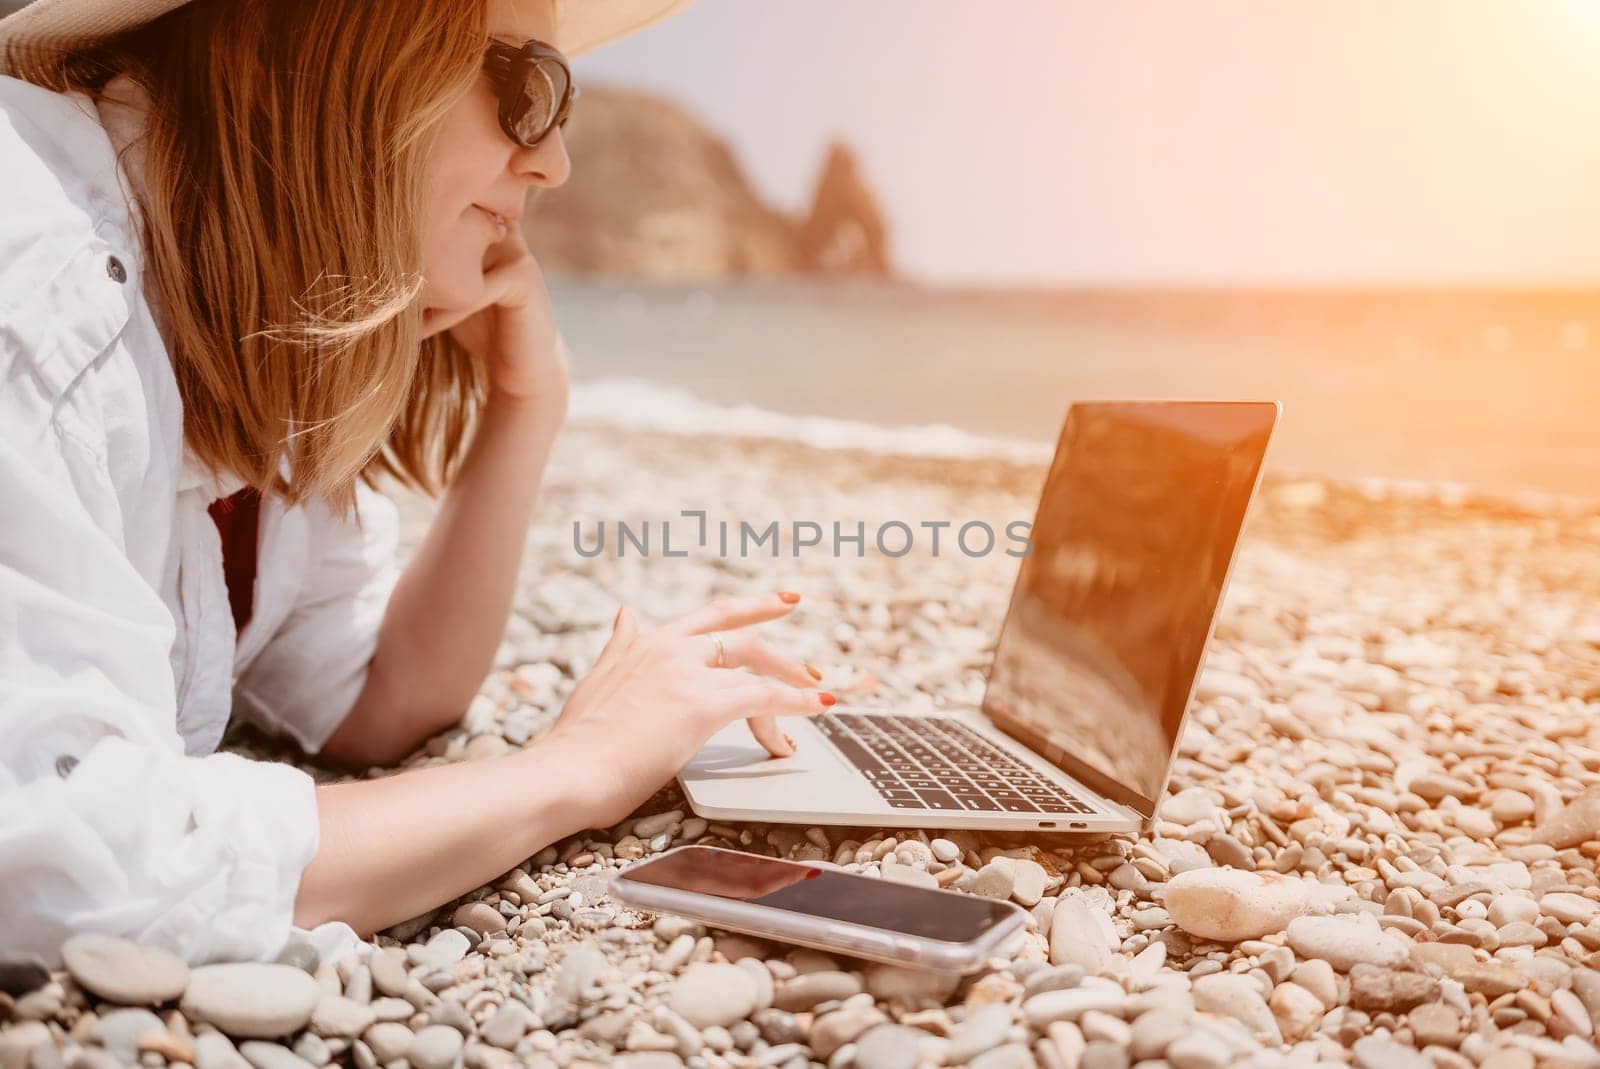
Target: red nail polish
815 672
825 698
788 596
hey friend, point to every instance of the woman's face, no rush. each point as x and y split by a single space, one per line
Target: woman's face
476 170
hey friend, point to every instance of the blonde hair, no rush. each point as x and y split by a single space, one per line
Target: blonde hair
285 156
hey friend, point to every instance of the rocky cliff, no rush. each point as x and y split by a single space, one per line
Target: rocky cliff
655 194
845 233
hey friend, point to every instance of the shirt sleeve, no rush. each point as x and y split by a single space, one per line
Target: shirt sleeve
307 677
105 823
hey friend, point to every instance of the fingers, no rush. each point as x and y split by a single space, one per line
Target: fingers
725 614
790 689
867 681
744 650
498 282
765 729
435 320
623 632
505 281
763 700
512 249
512 274
626 624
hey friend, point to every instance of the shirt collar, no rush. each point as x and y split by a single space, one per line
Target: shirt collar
196 477
123 106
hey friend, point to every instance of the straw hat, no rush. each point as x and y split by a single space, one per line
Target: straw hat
54 25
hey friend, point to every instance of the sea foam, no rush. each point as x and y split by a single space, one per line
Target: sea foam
641 405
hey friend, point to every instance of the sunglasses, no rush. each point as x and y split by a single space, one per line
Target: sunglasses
535 87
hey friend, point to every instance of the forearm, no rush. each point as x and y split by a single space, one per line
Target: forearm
448 612
393 848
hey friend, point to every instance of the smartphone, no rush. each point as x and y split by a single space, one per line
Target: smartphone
820 906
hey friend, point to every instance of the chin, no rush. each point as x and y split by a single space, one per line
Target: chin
456 289
455 279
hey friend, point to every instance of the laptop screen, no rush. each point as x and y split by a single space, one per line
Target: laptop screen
1113 604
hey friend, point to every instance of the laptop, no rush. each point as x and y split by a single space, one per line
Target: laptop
1094 670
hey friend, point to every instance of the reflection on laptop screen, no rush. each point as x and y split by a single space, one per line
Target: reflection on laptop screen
1134 535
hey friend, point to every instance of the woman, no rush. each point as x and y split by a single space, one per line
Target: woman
253 253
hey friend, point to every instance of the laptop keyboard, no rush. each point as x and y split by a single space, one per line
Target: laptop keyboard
919 762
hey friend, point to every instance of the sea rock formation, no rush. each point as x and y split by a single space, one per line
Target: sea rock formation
655 194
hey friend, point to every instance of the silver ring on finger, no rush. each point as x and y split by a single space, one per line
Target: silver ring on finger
716 640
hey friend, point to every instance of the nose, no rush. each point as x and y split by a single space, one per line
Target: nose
546 163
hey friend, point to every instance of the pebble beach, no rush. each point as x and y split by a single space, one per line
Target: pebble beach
1378 848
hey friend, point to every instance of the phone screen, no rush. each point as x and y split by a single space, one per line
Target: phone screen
823 892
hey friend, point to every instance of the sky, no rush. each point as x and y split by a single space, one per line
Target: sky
1141 142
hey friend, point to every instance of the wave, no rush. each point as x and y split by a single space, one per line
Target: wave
637 404
640 405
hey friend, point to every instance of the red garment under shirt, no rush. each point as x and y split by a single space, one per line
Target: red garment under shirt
238 519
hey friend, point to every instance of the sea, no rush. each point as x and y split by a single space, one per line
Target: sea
1496 392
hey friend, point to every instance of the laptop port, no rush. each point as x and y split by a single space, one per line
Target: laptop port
1047 823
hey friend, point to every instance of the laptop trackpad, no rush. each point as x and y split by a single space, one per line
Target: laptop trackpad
734 771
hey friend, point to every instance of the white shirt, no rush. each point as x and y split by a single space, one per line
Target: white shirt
117 644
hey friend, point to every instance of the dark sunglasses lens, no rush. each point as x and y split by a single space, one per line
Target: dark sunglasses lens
538 99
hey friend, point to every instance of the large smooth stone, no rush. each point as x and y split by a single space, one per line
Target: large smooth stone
1069 1004
1231 905
1192 805
251 999
1030 882
1390 990
437 1046
120 970
833 1030
711 993
910 987
1297 1011
1569 908
889 1046
997 879
338 1016
1239 997
1081 935
809 989
1345 942
984 1028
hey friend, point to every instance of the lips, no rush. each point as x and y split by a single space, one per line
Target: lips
501 223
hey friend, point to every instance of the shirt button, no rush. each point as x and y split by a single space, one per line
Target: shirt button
115 269
65 764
